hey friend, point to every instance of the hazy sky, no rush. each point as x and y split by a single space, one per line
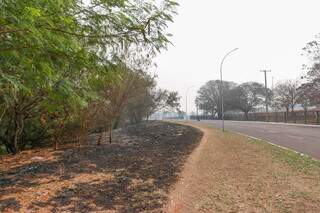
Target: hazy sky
270 34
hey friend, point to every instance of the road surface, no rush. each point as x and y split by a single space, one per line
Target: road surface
304 139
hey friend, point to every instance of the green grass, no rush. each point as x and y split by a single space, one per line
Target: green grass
296 160
304 163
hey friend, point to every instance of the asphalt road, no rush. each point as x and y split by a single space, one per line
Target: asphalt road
304 139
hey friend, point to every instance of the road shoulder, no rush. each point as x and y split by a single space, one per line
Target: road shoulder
229 172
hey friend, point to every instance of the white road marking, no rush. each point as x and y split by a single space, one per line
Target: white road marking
281 147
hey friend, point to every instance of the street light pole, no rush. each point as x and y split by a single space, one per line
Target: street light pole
187 101
196 101
221 86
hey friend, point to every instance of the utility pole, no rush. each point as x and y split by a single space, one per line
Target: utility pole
266 91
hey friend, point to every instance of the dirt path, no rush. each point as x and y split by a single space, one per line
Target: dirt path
231 173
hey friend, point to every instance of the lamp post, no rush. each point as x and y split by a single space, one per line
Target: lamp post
187 100
197 106
221 85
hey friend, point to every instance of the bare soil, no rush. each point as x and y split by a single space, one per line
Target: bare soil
133 174
231 173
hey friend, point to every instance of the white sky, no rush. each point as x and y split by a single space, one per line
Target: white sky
270 34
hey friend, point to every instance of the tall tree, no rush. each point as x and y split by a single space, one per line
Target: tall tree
287 94
312 51
247 96
161 99
209 97
306 96
54 56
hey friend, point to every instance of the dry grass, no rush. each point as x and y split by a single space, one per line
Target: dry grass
231 173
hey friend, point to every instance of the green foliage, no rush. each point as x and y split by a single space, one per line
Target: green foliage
312 88
244 97
209 98
159 99
287 94
247 96
56 55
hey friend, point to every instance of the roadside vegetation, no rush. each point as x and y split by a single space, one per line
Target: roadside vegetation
304 163
69 68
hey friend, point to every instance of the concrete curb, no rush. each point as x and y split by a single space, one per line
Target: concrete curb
276 145
266 141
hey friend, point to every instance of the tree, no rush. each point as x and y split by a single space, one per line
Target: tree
312 51
306 95
163 100
287 95
209 96
247 96
115 97
56 55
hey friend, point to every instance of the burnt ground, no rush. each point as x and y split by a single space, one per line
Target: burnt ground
133 174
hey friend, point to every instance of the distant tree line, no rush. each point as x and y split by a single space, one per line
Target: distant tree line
250 96
69 68
244 97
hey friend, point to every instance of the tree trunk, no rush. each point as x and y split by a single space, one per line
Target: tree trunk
305 114
100 138
56 145
293 116
292 110
19 125
55 142
220 115
116 122
110 131
15 144
246 115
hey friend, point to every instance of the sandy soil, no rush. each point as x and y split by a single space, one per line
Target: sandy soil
133 174
231 173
